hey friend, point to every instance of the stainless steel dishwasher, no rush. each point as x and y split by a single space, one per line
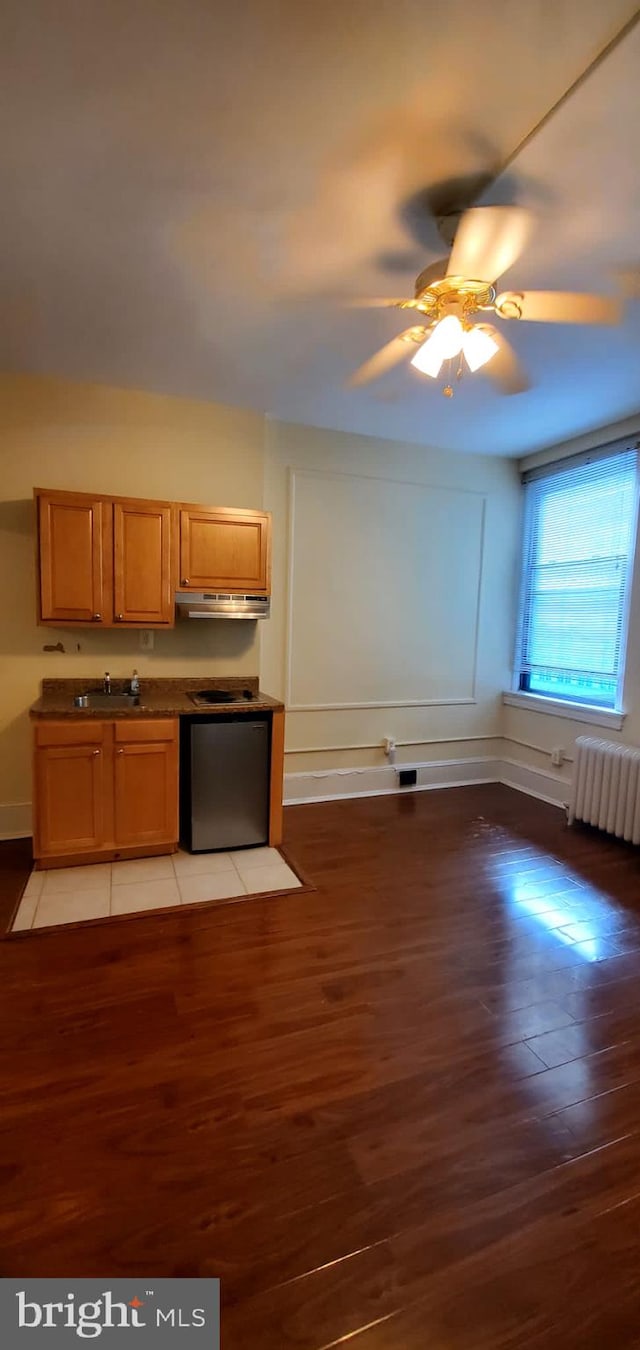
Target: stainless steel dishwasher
224 782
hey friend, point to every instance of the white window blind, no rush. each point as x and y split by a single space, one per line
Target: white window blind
579 540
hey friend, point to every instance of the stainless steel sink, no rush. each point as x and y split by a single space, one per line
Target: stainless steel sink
108 702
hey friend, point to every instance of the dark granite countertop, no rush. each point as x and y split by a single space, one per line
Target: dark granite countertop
158 698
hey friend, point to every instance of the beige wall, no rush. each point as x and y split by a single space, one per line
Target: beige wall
357 498
93 438
460 658
343 540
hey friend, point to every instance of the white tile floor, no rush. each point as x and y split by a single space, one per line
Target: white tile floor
71 894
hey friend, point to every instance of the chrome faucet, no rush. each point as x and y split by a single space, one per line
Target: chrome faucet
106 683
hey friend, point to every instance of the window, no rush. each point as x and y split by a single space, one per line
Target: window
579 537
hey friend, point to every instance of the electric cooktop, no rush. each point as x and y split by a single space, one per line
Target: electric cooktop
207 698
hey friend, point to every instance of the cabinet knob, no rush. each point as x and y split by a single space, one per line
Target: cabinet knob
120 752
96 618
185 581
118 618
96 752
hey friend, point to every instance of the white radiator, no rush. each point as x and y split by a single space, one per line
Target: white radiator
606 787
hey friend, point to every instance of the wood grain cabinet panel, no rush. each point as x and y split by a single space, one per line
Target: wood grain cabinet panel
72 791
114 560
75 552
225 550
146 784
276 783
106 561
104 786
143 581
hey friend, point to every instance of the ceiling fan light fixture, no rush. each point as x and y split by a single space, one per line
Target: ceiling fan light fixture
428 359
445 342
448 335
478 347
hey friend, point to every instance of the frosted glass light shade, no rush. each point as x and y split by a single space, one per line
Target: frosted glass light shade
445 341
428 359
448 335
478 347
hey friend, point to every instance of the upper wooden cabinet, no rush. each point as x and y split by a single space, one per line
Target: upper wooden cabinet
118 561
75 558
108 561
225 550
143 583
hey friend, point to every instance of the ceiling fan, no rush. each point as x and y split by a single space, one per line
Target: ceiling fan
456 293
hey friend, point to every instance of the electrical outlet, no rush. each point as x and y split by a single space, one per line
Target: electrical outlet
147 637
557 756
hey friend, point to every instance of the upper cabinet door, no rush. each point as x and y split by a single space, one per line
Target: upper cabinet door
143 573
75 551
225 550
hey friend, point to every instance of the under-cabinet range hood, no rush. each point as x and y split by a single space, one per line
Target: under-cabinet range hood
210 605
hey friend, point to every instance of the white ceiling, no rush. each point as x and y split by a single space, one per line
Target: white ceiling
188 183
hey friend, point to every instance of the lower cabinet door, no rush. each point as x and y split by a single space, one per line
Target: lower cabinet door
70 799
146 783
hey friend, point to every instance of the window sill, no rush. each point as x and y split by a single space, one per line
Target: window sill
596 717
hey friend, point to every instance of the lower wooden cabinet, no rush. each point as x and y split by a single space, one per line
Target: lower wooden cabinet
146 783
102 788
72 789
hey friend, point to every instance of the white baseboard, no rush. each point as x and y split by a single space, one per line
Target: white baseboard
547 787
338 784
325 785
15 820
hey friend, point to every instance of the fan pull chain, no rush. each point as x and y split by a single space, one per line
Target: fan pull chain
448 388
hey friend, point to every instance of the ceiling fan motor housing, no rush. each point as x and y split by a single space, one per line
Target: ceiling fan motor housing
440 294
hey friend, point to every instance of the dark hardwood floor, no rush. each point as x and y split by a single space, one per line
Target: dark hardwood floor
16 861
401 1110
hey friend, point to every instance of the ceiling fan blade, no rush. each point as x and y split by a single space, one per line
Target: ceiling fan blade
628 279
380 302
504 368
487 241
558 307
340 301
388 356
